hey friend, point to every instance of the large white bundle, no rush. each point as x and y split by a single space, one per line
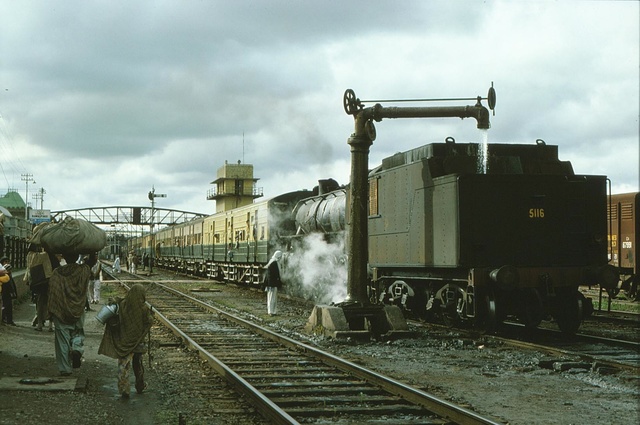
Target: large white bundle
73 235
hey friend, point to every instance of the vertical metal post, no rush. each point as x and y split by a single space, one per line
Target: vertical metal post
41 197
358 241
152 237
360 142
26 178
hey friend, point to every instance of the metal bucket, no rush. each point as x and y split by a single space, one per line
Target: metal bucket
107 312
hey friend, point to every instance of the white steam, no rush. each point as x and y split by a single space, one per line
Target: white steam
317 270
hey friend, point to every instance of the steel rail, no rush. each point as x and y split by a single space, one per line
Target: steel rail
613 316
270 410
260 402
415 396
556 350
264 405
632 346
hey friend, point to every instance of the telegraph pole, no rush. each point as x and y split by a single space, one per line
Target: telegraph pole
39 196
26 178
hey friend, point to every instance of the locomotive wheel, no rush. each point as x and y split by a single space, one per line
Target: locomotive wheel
423 304
632 292
568 313
613 292
450 298
451 320
490 322
531 309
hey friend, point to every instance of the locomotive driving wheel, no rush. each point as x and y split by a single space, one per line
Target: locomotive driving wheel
531 309
490 322
452 305
569 312
613 292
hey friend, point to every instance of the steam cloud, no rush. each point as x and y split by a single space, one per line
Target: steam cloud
317 270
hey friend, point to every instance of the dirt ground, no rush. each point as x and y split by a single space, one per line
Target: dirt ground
26 353
172 393
496 381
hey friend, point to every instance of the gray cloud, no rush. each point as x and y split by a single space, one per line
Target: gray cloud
137 94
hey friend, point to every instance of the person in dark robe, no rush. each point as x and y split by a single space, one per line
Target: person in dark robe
124 340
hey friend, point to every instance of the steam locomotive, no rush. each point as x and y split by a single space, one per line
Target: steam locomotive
448 238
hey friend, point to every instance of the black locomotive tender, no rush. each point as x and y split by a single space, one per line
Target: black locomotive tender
517 240
445 240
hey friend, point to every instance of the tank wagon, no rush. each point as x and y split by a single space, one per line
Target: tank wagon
624 222
231 245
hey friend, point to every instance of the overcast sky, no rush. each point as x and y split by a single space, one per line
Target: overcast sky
101 100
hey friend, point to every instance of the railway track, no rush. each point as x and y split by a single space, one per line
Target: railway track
599 351
585 351
622 317
602 348
289 382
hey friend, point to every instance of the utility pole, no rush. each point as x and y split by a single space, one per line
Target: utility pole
39 196
26 178
152 197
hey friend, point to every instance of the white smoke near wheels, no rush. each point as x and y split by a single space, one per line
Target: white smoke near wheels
316 270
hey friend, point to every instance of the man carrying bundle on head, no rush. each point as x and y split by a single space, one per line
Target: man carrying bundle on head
68 285
67 300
